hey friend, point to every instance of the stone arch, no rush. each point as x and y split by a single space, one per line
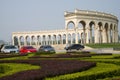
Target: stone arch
69 38
16 42
82 38
64 38
106 27
49 39
38 40
83 26
59 39
33 40
111 33
100 27
28 41
71 25
115 27
92 29
73 38
54 39
43 39
21 40
79 37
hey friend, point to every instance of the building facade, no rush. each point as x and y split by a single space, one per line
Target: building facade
81 26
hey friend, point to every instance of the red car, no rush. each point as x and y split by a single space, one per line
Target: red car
27 49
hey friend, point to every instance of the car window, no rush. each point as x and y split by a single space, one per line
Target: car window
29 47
10 47
47 47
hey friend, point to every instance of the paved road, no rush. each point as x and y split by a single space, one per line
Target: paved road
101 50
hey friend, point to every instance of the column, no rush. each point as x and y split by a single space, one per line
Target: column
87 37
19 42
109 34
100 36
56 39
116 36
96 35
66 36
30 41
25 41
76 40
51 40
84 37
61 39
113 36
104 36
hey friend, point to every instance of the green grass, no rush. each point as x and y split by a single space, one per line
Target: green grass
20 57
12 68
104 45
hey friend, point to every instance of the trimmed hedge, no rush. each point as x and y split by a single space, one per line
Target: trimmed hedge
4 68
101 71
49 68
68 55
12 68
4 55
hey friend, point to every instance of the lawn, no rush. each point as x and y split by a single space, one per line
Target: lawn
104 45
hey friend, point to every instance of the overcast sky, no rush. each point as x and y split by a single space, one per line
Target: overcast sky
35 15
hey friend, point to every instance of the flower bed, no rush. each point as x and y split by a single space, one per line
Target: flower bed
49 68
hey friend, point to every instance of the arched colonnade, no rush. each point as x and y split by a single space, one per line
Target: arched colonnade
81 26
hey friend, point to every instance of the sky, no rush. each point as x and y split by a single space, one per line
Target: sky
36 15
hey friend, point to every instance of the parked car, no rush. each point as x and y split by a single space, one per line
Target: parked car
9 49
74 47
27 49
46 48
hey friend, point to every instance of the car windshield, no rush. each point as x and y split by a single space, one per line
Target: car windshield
10 47
47 47
29 47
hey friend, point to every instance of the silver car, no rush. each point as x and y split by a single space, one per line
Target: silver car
46 48
9 49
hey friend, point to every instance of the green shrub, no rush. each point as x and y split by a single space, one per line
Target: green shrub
11 68
45 53
4 68
102 70
104 45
